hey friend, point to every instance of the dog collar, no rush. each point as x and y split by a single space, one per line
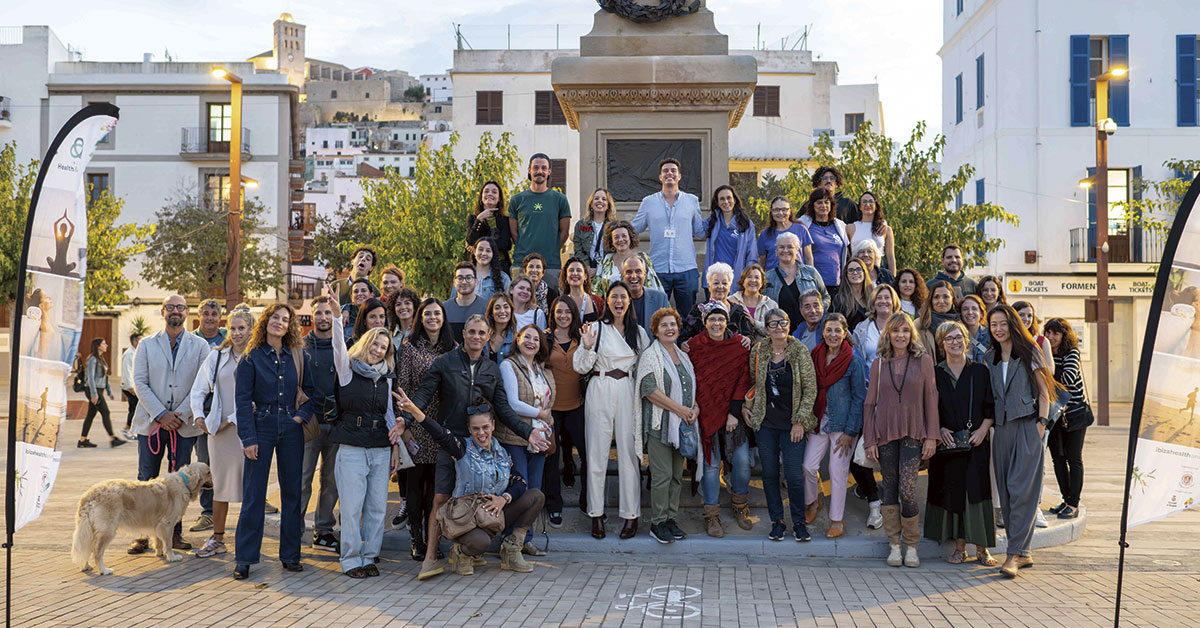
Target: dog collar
186 483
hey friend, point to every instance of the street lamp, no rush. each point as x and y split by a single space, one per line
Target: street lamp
1101 311
233 293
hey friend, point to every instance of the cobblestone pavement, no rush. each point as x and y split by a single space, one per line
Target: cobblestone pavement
1072 585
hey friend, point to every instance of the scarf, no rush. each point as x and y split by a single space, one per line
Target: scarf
539 294
722 375
829 374
371 372
655 362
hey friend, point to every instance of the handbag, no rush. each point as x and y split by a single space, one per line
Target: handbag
962 438
689 440
460 515
312 427
1080 416
1058 405
860 456
208 399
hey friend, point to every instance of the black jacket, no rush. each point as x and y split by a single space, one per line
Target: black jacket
450 380
477 229
320 378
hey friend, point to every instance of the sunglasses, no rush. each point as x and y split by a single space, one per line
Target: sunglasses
479 409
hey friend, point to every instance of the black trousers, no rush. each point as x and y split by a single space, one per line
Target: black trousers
132 400
100 406
418 495
865 478
1066 450
568 425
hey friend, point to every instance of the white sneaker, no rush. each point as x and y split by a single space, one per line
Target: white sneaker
128 434
894 558
875 518
212 547
1040 522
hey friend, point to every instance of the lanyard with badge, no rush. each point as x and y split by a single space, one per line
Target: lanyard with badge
669 232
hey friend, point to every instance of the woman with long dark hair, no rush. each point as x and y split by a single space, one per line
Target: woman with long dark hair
911 287
503 326
609 351
971 314
588 241
401 311
942 306
372 314
96 377
991 290
1022 385
491 277
1029 318
489 218
1066 437
830 243
573 283
429 339
730 234
564 335
873 226
853 300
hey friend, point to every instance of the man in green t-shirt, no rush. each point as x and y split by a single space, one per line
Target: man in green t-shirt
539 219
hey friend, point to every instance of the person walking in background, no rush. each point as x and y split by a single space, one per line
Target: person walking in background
952 273
871 225
673 219
127 385
489 219
1067 435
540 218
1190 406
782 221
320 384
730 234
96 377
588 240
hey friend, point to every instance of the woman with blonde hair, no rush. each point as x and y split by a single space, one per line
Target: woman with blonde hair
900 428
218 377
587 242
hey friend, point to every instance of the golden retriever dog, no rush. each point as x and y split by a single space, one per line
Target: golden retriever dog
148 509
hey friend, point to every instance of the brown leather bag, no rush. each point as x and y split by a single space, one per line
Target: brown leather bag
312 427
460 515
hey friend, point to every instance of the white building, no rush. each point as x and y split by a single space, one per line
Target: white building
1018 105
796 100
438 87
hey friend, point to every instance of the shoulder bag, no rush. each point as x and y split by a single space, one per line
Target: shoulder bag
312 427
460 515
962 438
208 399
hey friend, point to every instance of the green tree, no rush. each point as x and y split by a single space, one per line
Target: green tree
918 203
188 250
16 187
1154 202
335 238
420 223
110 247
139 326
416 92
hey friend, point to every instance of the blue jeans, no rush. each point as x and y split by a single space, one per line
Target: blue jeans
530 466
681 286
362 482
739 484
327 497
150 463
277 435
772 445
206 495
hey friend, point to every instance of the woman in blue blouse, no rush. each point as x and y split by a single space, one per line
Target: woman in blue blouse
830 242
731 234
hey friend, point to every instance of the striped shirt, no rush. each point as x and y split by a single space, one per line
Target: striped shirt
1067 372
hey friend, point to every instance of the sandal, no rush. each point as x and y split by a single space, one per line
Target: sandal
985 557
958 557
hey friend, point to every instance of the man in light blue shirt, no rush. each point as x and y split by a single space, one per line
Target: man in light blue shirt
673 218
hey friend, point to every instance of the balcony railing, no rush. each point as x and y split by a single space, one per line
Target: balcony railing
199 141
5 109
1135 246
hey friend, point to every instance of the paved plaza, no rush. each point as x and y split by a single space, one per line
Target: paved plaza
1071 585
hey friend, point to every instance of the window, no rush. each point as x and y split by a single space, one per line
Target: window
437 109
106 141
558 175
853 121
1095 55
216 191
958 99
1186 70
97 183
979 82
337 143
489 107
1118 192
766 101
958 7
324 143
546 108
333 94
220 125
366 94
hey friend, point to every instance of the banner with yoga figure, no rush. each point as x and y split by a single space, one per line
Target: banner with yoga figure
49 316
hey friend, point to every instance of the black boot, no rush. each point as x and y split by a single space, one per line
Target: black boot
417 532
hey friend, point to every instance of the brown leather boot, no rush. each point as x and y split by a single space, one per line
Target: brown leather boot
741 511
712 521
891 525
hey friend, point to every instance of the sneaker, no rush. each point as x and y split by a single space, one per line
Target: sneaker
675 530
875 518
203 522
212 547
555 519
84 443
1059 508
777 531
661 533
116 442
401 515
140 546
128 434
326 541
1040 521
270 509
1070 512
801 534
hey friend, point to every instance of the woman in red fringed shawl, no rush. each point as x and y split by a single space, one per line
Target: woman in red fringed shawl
722 365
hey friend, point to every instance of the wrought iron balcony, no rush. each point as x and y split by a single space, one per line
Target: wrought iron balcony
202 142
1134 246
5 112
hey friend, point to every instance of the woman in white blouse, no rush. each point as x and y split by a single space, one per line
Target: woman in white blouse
884 302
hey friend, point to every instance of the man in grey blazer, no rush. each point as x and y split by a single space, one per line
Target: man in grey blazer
646 301
164 368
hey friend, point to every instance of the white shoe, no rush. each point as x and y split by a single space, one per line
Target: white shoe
1040 522
894 559
129 435
874 519
910 557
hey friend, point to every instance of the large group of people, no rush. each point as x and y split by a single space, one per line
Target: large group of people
800 345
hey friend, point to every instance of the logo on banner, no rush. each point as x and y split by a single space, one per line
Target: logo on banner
1186 480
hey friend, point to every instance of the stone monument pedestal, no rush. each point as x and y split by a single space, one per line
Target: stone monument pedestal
639 93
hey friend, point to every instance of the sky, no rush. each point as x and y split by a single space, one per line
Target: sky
892 43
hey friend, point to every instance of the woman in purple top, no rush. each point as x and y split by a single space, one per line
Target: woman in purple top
730 234
829 240
781 221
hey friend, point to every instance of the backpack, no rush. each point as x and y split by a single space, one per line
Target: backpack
79 381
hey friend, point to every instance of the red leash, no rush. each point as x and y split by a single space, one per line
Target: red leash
172 442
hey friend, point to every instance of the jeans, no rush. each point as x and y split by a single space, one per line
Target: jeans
774 444
279 435
529 466
327 497
206 495
1066 450
150 462
362 480
681 286
710 484
899 462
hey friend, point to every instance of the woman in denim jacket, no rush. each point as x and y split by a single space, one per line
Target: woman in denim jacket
841 390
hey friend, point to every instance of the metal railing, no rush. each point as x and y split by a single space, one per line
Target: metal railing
5 108
198 140
1132 247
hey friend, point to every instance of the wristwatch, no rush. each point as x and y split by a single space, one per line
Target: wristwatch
1044 421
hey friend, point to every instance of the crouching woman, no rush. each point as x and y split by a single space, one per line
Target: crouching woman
481 465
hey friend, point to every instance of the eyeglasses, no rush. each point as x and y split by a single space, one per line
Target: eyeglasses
776 324
480 409
176 308
464 277
854 271
956 339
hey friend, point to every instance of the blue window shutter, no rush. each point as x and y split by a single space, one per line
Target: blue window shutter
958 99
1185 72
958 202
1080 101
1135 227
979 82
1091 217
1118 89
979 200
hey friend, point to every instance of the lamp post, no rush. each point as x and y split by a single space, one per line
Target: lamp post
233 292
1103 305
